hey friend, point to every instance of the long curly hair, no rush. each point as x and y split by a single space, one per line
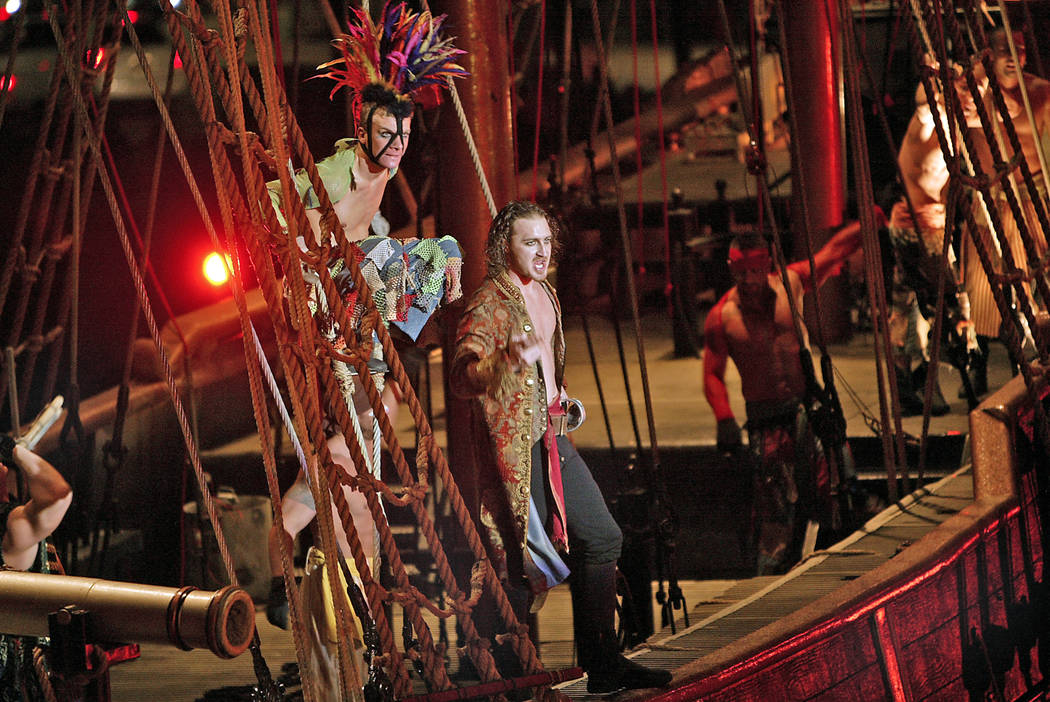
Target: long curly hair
498 245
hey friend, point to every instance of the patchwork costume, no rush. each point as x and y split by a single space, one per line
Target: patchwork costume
408 278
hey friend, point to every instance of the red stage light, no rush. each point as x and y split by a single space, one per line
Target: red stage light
215 271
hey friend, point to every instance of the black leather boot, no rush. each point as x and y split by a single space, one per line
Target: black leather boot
938 405
911 403
594 605
978 368
277 603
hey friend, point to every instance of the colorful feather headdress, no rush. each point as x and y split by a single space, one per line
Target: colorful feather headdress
403 55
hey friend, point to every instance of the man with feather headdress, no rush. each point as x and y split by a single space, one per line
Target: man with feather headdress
386 67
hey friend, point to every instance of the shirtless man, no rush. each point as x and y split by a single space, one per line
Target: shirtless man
752 325
917 251
355 178
984 312
356 175
539 501
26 521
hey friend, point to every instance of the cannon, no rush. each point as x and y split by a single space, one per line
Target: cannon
222 621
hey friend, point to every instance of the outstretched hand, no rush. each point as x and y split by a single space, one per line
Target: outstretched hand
523 350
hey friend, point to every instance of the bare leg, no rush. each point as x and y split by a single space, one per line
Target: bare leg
297 510
364 525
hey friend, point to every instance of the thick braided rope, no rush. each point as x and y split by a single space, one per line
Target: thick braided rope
433 666
262 672
349 676
485 664
260 666
405 384
147 310
1021 84
873 279
47 163
42 674
370 319
526 650
1027 176
32 178
282 408
255 357
1022 297
351 254
312 416
1012 333
962 168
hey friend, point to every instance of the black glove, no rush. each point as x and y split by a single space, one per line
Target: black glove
7 448
277 603
728 435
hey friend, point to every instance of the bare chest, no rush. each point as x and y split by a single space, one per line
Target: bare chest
541 310
356 209
756 333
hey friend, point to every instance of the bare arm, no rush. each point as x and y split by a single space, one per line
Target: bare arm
716 355
831 256
31 523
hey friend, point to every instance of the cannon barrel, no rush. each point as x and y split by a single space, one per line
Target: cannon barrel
223 621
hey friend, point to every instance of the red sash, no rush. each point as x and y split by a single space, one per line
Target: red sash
559 535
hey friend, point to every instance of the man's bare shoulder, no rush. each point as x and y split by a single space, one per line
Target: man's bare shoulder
726 309
1038 89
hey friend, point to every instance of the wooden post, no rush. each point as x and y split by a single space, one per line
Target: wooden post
461 210
812 28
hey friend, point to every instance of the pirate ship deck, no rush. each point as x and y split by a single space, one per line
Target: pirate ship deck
940 596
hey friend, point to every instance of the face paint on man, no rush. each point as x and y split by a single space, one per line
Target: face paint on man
384 137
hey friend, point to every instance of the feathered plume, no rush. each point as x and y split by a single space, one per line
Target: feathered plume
403 54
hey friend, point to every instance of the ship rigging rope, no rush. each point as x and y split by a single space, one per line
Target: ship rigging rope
625 241
640 223
1011 334
970 173
1013 274
875 283
663 152
1021 83
475 157
482 658
113 450
83 121
539 99
38 259
752 119
943 268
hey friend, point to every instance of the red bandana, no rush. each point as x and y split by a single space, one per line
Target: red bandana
749 259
